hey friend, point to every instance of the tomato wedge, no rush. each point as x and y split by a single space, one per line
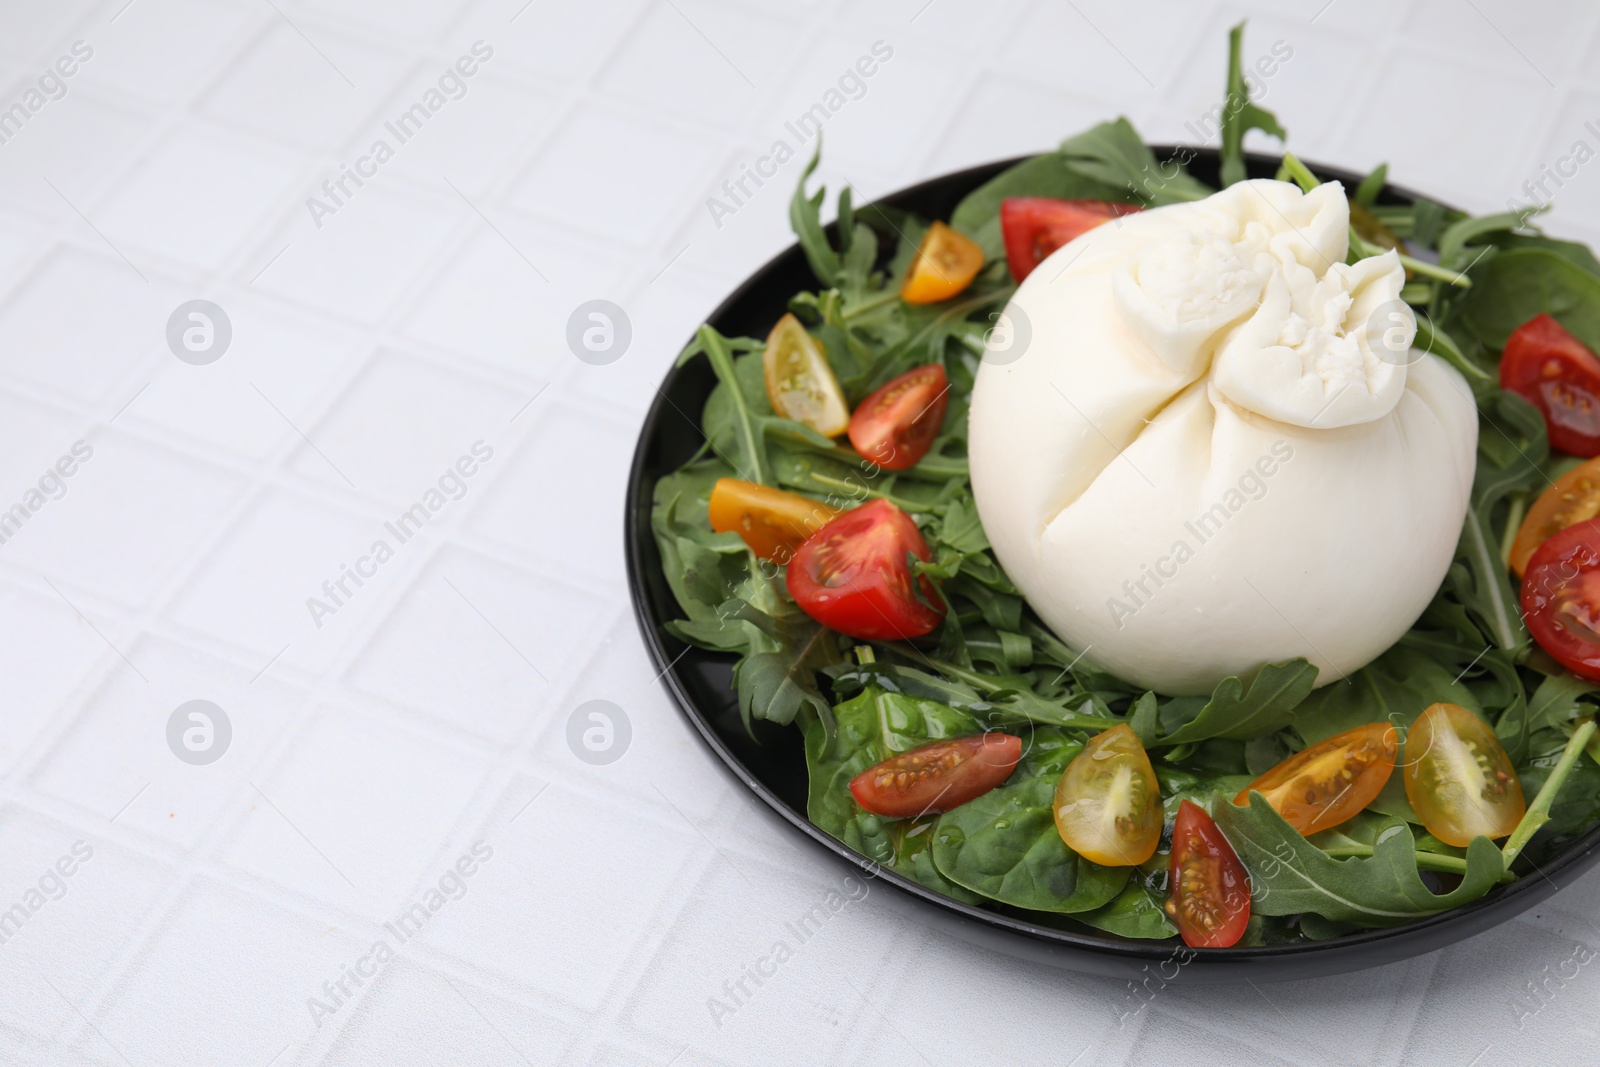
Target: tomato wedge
1572 498
852 576
800 381
1459 778
895 426
1556 373
771 521
937 776
1332 780
1108 802
1035 226
947 261
1561 598
1210 898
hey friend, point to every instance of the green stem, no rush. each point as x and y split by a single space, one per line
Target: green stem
1519 505
1300 172
852 487
1308 181
1539 811
1427 270
888 296
1427 861
985 684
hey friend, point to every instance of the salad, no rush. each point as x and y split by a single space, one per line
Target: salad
1203 766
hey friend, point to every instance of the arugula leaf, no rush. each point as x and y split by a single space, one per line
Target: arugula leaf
731 420
805 217
1559 700
1395 688
1366 193
1113 153
777 679
1289 875
1232 712
1240 116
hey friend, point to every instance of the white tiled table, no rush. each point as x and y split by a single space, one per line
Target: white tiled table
429 711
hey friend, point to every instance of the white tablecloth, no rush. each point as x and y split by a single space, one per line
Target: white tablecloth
399 858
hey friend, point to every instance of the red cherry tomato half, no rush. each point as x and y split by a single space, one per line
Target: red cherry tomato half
1035 226
1555 372
1210 898
937 776
895 426
1561 598
852 575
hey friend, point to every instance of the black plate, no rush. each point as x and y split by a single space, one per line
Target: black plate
772 764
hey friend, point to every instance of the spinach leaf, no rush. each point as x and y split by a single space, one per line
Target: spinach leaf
1138 912
1289 875
1514 286
1239 714
1005 846
1240 115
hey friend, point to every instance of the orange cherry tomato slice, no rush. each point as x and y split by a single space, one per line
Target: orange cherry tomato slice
1210 898
937 776
1573 498
1108 802
1330 781
772 522
947 261
800 381
1459 778
895 426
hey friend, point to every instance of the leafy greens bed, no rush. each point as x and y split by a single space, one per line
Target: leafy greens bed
993 666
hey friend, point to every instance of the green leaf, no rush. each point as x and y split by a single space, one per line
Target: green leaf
1516 285
1240 116
805 218
775 683
1289 875
1395 688
1366 193
1004 845
1558 700
1240 714
1136 913
1049 175
1113 153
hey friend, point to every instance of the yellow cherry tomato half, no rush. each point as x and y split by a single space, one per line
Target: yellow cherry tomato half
800 383
1459 778
771 521
946 263
1572 498
1108 803
1332 780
